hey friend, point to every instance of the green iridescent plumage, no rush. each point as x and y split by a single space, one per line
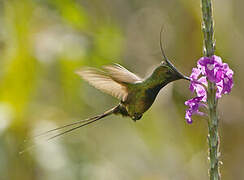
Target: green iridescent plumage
136 94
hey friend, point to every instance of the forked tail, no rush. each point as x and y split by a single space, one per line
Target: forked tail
81 123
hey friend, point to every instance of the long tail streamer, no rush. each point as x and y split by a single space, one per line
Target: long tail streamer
81 122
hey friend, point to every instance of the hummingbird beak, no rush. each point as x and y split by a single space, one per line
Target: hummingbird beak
173 68
187 78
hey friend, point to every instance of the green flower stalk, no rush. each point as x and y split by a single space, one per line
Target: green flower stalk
209 80
213 122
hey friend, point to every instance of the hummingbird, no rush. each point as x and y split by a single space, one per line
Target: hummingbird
136 95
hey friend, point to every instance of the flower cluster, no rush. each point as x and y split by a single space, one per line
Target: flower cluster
214 70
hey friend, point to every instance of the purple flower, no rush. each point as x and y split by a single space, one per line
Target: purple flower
211 67
194 105
207 67
227 79
219 89
199 86
193 77
227 84
214 70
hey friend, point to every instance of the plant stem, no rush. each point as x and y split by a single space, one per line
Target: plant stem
209 48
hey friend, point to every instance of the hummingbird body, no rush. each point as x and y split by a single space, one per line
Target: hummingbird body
141 95
136 95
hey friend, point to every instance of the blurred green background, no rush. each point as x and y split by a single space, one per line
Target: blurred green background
42 43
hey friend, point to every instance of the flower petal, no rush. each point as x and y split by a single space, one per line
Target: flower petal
194 105
211 69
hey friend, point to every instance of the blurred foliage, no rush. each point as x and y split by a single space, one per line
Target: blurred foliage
42 43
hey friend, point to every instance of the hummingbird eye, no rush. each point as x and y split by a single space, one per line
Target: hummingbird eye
164 63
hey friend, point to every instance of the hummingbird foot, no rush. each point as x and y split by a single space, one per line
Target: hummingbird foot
136 117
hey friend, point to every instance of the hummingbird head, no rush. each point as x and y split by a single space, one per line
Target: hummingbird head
166 73
171 70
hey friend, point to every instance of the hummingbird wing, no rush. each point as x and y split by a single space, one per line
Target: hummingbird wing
121 74
113 79
102 81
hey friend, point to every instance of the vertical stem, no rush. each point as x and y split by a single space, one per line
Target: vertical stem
209 48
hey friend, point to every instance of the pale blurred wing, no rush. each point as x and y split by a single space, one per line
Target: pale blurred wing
121 74
103 82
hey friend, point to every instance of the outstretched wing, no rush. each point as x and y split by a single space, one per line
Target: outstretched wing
113 80
121 74
103 82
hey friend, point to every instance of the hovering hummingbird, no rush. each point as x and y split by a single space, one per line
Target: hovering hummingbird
136 95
